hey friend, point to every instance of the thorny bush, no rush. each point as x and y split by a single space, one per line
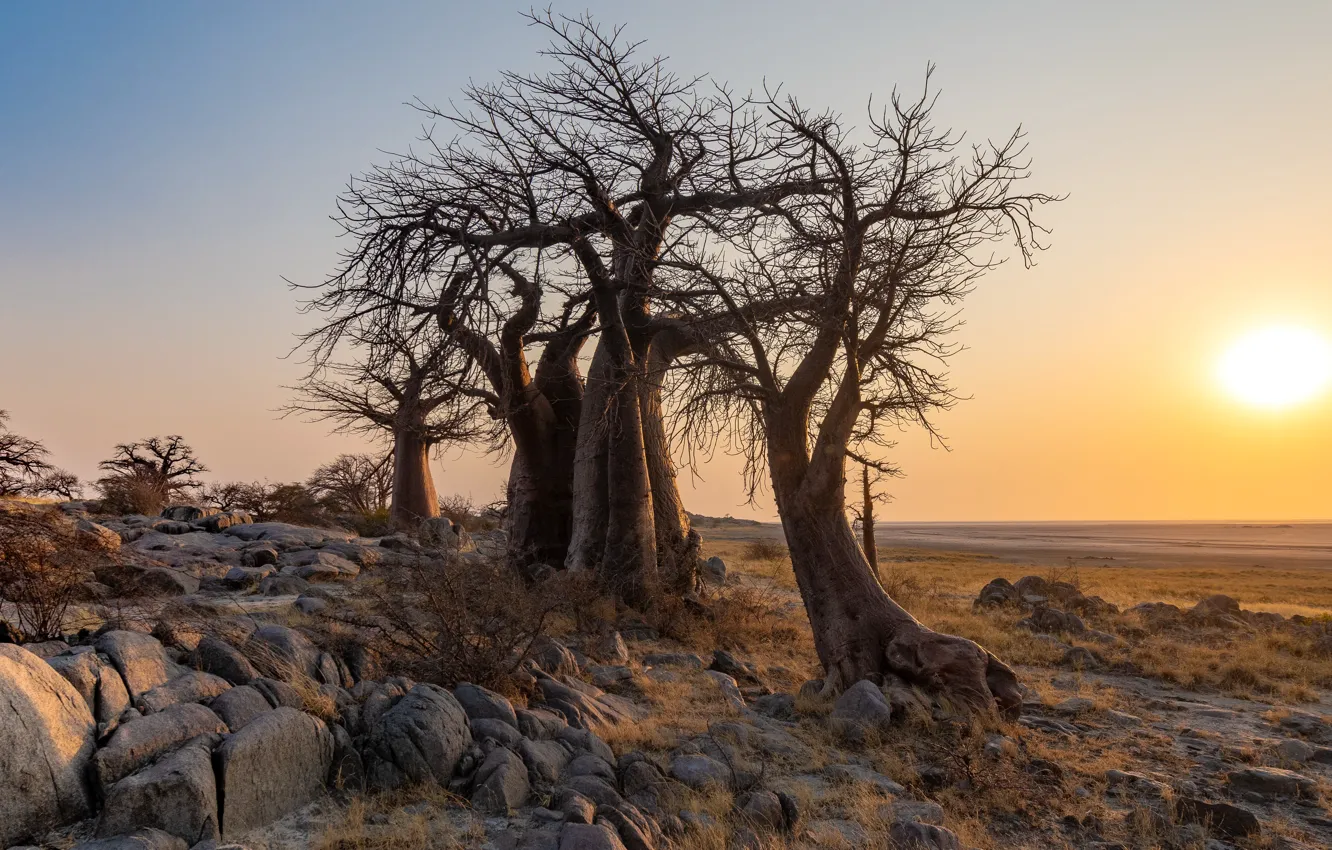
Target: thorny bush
43 562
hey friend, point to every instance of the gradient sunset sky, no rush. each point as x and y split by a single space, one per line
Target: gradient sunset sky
164 165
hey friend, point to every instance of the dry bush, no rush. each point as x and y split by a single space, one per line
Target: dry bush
43 562
451 620
132 494
764 550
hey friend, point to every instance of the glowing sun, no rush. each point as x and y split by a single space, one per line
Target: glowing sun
1277 366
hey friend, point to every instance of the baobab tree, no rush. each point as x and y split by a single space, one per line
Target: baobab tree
22 460
146 474
542 221
403 386
883 260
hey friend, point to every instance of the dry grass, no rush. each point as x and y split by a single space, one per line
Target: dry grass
423 816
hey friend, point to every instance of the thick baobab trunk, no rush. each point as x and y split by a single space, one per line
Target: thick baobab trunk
414 496
677 543
588 539
859 631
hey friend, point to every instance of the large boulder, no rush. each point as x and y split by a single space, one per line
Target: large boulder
140 659
136 743
501 783
998 592
97 682
443 533
284 652
216 656
238 706
96 537
46 741
187 687
420 739
860 709
177 795
277 763
481 703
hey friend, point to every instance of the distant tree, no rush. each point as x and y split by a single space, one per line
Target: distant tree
58 482
872 474
356 483
22 460
247 496
144 475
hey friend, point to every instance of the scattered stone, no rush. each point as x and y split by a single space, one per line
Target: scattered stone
1272 782
861 709
554 657
1224 819
687 660
700 772
917 811
729 688
713 571
216 656
611 649
998 592
914 835
480 703
501 783
854 774
420 739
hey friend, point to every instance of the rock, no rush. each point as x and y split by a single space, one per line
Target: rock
1218 605
348 769
1080 658
240 705
580 836
854 774
687 660
604 676
916 811
141 839
1046 620
777 706
538 724
1136 783
859 709
837 833
97 681
501 783
611 649
998 592
1224 819
187 687
497 731
1074 706
1272 782
47 649
141 740
713 571
914 835
574 806
96 537
261 555
310 605
188 513
728 687
554 657
595 789
1306 725
700 772
316 566
481 703
140 659
588 764
278 694
443 533
762 809
216 656
277 763
1294 750
545 760
419 739
280 585
46 742
177 795
284 652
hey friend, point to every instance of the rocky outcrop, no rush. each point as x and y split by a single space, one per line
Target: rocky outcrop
139 741
140 659
177 795
420 739
277 763
216 656
46 742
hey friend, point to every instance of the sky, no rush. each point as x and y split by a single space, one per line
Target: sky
164 166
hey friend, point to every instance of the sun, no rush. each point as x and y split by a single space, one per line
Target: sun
1277 367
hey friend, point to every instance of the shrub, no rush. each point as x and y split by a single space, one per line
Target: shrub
764 550
132 493
43 562
449 621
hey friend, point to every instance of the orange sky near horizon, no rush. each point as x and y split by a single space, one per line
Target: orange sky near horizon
155 188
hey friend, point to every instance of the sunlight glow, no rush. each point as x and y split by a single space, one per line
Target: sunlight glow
1277 366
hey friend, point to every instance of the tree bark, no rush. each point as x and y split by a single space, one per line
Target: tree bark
414 496
588 538
869 544
859 631
677 543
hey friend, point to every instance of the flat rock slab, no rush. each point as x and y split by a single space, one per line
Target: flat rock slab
177 795
277 763
46 742
193 686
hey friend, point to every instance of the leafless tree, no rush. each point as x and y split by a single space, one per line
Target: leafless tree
404 386
22 460
157 469
359 483
883 261
58 482
872 474
543 220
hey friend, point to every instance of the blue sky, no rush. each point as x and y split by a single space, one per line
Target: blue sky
164 165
